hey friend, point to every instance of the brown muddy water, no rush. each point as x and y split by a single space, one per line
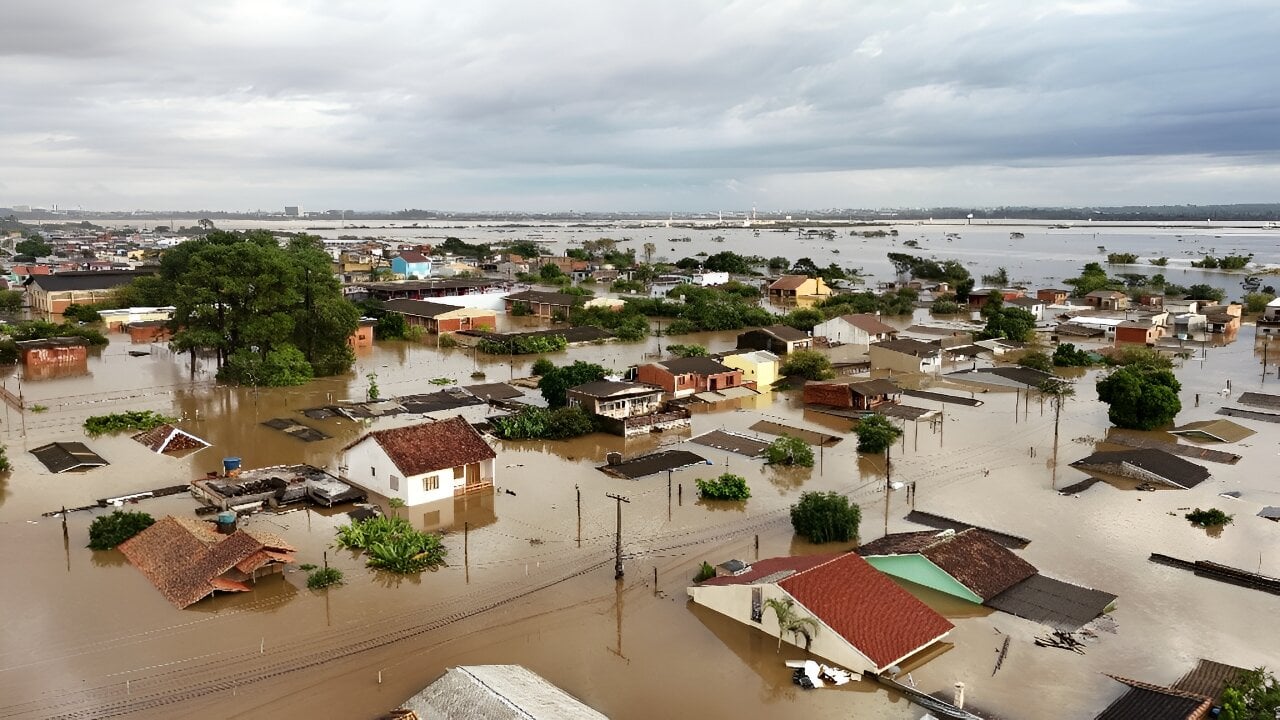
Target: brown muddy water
82 634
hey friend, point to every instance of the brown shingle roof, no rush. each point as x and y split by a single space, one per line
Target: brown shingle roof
432 446
1208 678
869 324
971 556
789 282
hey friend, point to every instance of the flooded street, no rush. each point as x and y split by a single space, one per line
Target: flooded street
83 634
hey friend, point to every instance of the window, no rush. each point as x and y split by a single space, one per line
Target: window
430 482
395 483
373 472
459 472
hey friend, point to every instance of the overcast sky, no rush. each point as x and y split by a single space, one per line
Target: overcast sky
655 105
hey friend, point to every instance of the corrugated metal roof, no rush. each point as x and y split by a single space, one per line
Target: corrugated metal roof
497 692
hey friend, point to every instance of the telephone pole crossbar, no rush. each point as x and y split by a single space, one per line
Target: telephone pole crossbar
617 537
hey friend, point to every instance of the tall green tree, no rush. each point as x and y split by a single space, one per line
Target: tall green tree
1140 396
35 246
244 295
554 384
876 434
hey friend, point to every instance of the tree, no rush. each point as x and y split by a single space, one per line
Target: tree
1012 323
726 261
1059 391
1142 397
11 300
779 263
243 294
1253 695
1257 302
822 517
550 272
807 364
542 366
1200 291
283 366
649 250
1068 355
34 246
1036 360
108 531
790 621
726 487
876 434
803 318
555 384
788 450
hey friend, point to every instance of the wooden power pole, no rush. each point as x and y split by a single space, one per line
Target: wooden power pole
617 537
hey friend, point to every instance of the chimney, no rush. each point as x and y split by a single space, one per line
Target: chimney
959 697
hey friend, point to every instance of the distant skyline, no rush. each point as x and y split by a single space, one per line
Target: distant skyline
678 106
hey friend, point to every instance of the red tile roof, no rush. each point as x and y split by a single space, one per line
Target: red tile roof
432 446
186 560
866 608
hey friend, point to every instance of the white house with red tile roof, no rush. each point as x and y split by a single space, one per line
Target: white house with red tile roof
867 623
421 463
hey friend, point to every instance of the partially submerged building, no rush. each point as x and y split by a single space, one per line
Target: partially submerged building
906 355
421 463
862 394
969 564
856 329
777 339
790 288
1194 696
188 560
1145 465
275 486
493 692
169 439
759 367
627 408
543 304
438 318
686 376
867 623
60 457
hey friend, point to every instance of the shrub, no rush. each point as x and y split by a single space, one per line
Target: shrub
876 433
944 307
535 423
542 366
139 420
726 487
520 309
706 572
286 365
788 450
1209 518
807 364
822 517
108 531
81 313
1257 302
1036 360
446 341
392 544
323 578
5 465
687 351
1068 355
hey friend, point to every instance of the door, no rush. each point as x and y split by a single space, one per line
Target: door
473 475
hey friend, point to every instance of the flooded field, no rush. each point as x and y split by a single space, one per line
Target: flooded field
82 634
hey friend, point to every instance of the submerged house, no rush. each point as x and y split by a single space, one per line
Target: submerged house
1146 465
906 355
866 622
188 560
792 287
969 564
860 394
626 408
493 692
438 318
421 463
777 339
686 376
759 367
855 329
1194 696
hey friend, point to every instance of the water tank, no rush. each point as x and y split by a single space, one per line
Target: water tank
226 522
229 464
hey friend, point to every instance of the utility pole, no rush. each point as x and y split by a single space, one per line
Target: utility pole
617 537
578 490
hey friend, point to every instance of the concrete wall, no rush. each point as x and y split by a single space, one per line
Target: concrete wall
735 602
763 374
838 330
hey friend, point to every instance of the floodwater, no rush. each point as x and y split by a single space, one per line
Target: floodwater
1047 252
82 634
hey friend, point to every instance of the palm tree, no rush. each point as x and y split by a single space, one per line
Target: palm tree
649 250
790 621
1059 391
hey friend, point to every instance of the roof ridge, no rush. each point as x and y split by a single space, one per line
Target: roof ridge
1164 689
